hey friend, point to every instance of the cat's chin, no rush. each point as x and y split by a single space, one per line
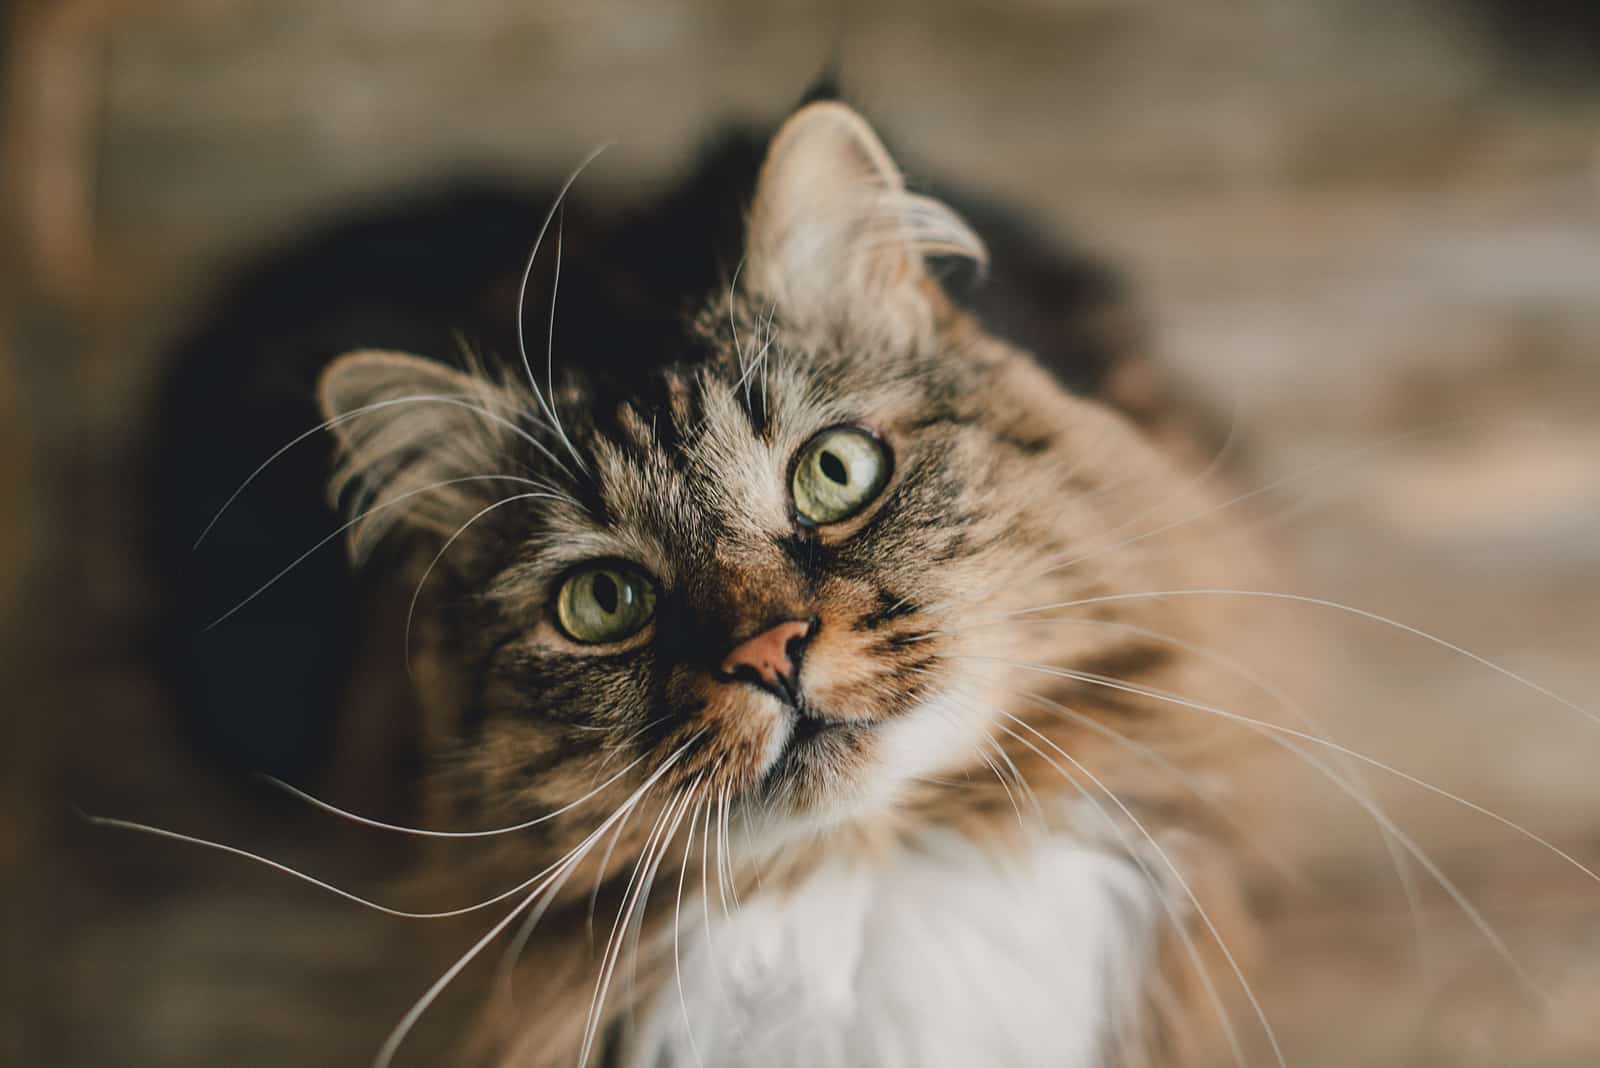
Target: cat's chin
826 772
806 747
816 765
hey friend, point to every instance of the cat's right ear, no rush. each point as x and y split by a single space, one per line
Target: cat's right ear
833 234
419 443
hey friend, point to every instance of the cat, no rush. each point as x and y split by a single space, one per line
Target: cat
792 547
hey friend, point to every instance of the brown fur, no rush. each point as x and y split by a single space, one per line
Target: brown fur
1007 494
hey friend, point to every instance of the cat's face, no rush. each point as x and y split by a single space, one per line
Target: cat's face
783 567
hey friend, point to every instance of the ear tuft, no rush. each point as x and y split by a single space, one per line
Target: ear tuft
419 442
832 223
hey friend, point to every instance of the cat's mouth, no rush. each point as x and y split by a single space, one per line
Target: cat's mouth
810 735
807 728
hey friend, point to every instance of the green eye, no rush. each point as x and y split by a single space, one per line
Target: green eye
837 473
604 604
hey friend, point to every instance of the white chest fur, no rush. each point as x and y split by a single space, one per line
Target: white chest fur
939 956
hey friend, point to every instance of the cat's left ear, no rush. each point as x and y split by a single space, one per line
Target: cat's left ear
418 442
833 232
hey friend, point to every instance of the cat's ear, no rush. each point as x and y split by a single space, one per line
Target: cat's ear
833 231
419 443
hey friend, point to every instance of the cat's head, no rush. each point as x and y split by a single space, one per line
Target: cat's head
783 558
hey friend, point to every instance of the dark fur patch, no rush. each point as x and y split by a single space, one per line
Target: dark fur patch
888 608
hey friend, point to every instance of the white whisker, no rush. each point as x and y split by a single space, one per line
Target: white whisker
614 942
1183 884
705 908
400 829
733 326
411 609
407 1022
457 400
1322 603
636 925
550 337
519 943
725 847
1163 898
522 295
1189 782
1299 711
1445 883
399 498
677 923
989 763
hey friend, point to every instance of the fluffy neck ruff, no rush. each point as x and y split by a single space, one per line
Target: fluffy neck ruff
872 961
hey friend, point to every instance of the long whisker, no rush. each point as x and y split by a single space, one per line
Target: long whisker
1018 778
392 1044
188 839
721 857
620 745
766 362
1199 789
985 744
456 400
1340 460
1163 898
705 908
1193 785
600 875
514 951
1177 874
636 923
617 936
400 829
989 763
550 337
522 296
725 850
1321 603
733 326
630 898
411 609
1296 708
749 836
407 1022
1353 754
220 847
1343 459
757 362
677 923
1272 729
391 502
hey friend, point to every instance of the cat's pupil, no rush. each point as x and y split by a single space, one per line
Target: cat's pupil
606 594
833 467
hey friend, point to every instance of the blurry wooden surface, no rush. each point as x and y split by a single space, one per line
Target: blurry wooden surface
1354 223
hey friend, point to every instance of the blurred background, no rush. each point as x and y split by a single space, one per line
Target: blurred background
1367 231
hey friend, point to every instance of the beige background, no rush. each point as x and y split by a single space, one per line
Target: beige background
1361 229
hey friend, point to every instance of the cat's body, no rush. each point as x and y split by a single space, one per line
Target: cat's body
917 770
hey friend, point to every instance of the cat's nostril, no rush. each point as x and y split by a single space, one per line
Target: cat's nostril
772 658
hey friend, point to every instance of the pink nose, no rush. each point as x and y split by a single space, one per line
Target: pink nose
767 654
